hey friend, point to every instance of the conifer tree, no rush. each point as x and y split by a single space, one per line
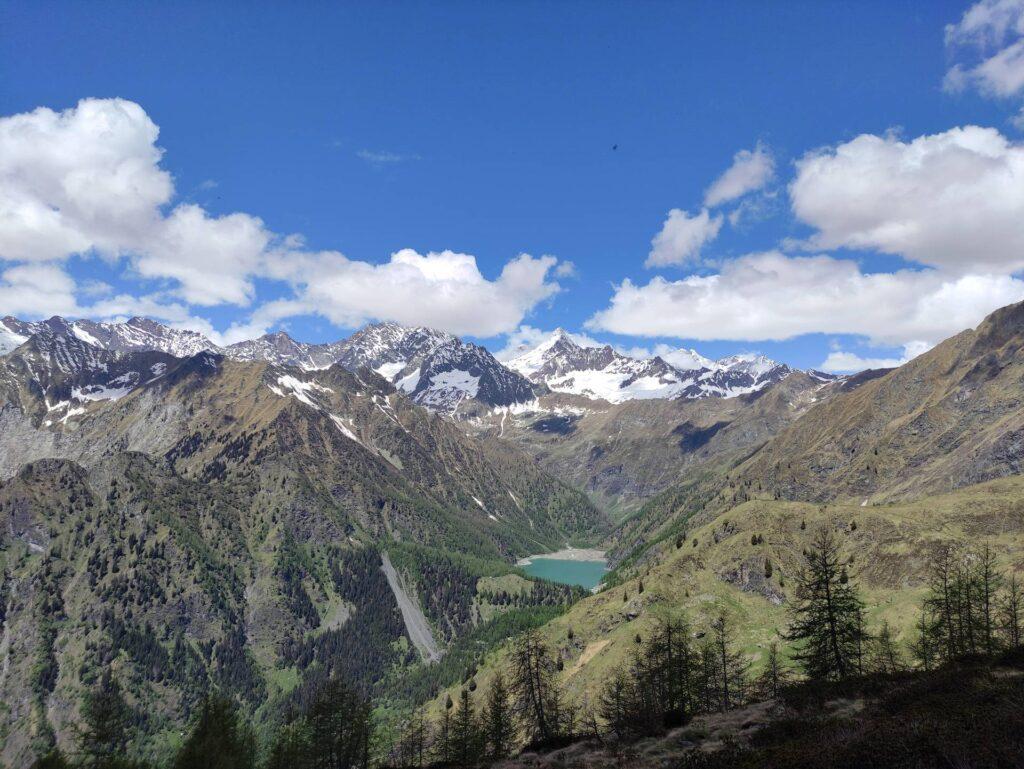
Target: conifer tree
500 730
708 676
290 748
340 728
1010 613
54 759
673 657
220 739
731 667
443 741
465 733
103 736
925 649
774 676
827 614
411 749
616 706
537 698
885 653
988 581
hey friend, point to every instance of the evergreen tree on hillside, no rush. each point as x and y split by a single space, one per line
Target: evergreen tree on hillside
618 707
290 748
443 741
498 725
774 676
465 732
673 660
340 728
220 739
52 760
827 614
987 582
103 735
1010 611
537 697
731 668
885 656
925 648
412 747
963 615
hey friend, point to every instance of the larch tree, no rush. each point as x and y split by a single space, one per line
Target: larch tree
827 614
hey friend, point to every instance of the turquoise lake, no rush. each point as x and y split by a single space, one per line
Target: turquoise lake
584 573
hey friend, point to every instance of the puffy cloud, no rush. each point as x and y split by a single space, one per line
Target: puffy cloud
953 200
213 259
995 29
682 237
843 361
84 178
89 178
445 290
750 171
40 290
774 296
567 269
37 290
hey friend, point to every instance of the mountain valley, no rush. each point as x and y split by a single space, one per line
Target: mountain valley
267 515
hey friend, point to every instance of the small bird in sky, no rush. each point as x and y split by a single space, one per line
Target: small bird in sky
615 146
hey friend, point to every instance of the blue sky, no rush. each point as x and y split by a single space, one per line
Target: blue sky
494 130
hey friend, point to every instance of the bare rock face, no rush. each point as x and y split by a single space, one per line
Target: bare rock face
749 576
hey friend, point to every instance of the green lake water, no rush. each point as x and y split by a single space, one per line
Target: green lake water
584 573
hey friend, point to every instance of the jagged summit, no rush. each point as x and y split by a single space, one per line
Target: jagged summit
563 364
439 370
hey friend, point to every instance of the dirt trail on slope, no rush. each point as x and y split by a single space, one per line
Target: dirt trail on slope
592 650
416 624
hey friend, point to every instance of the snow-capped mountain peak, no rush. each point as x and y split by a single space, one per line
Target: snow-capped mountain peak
748 363
685 359
564 365
435 368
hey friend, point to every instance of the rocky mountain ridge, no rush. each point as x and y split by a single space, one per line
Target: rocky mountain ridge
564 364
445 373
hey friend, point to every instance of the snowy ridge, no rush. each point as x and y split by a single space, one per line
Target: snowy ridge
435 369
563 364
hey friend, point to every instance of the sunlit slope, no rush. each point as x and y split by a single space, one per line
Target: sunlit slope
888 547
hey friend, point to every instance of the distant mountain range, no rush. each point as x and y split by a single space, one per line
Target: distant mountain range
562 364
442 372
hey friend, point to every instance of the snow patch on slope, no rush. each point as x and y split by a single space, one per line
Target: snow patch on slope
299 389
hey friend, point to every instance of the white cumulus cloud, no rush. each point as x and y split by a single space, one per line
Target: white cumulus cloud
953 200
845 362
772 296
682 237
444 290
750 171
88 180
